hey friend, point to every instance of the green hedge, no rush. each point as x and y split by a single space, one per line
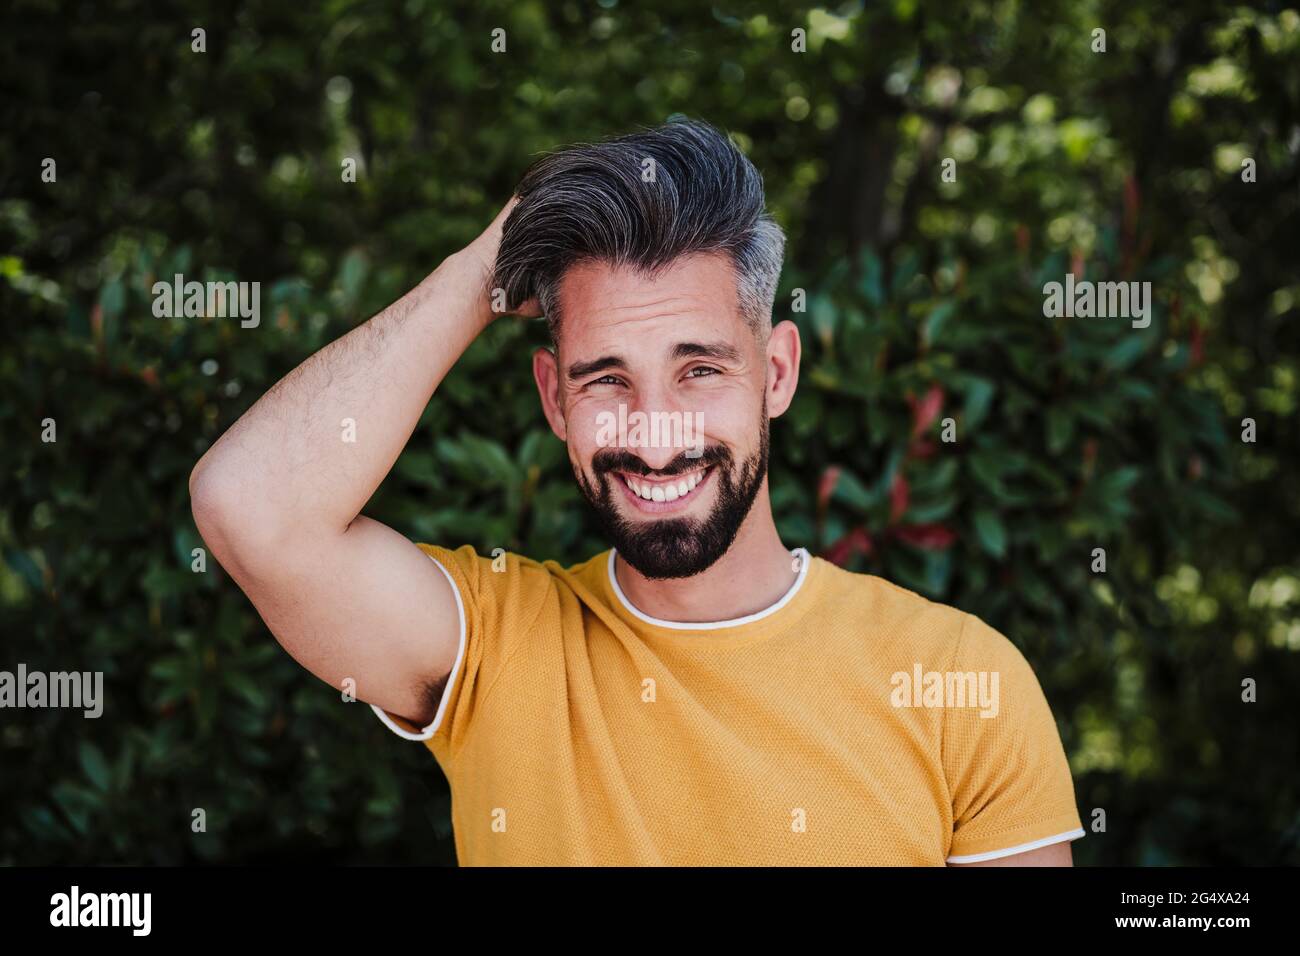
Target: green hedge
923 303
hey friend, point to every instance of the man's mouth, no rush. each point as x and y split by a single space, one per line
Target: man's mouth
653 494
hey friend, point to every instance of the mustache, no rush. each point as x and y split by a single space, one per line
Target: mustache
620 459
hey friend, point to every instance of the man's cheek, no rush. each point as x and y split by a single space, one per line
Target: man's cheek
730 423
591 429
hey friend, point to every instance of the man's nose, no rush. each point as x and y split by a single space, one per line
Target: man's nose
656 458
663 436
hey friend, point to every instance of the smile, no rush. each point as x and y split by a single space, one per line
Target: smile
648 492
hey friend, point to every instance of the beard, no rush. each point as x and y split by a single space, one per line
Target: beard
677 547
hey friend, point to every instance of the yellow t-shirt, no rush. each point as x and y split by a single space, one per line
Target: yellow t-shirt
852 723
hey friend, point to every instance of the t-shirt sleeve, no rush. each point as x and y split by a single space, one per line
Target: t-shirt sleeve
1005 766
497 598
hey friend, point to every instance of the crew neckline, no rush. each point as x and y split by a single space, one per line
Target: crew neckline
804 566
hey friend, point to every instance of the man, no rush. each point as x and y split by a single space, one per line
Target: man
698 695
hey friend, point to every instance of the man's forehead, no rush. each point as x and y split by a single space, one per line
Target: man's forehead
601 289
692 298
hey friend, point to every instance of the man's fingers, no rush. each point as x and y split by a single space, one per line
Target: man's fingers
529 309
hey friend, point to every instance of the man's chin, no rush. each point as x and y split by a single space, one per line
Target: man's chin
669 548
665 565
664 540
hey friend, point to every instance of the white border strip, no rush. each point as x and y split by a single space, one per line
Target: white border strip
1023 848
711 625
429 731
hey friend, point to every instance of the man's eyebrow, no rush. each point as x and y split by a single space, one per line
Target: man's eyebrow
583 369
720 351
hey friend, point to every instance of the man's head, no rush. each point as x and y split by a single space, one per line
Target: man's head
656 265
643 200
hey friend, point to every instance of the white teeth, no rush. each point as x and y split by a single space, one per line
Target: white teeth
667 491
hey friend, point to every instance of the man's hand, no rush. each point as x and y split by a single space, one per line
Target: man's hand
278 497
483 252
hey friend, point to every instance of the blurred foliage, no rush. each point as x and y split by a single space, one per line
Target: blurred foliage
923 300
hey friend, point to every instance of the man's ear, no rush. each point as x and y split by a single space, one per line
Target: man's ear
546 373
783 351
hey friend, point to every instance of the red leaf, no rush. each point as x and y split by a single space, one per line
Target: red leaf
826 487
1076 263
1132 202
1198 344
926 410
1022 238
857 541
899 494
1128 228
930 537
1089 457
923 449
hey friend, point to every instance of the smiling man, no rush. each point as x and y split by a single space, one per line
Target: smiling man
701 693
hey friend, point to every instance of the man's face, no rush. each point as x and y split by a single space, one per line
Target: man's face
659 390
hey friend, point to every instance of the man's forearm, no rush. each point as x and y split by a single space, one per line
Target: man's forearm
285 466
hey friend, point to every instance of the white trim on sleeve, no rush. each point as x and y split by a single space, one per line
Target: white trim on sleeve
429 731
1012 850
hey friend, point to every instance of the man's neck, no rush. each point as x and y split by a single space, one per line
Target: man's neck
754 574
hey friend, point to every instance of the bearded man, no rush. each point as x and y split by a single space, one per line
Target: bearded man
699 694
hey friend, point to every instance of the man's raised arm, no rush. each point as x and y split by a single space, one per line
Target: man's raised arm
278 497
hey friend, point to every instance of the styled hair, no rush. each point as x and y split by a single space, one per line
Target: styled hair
641 200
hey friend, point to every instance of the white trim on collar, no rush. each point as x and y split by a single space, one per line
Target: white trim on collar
713 625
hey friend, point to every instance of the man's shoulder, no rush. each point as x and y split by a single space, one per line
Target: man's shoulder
886 610
890 612
499 566
879 595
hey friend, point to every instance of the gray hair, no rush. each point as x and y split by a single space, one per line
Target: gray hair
607 202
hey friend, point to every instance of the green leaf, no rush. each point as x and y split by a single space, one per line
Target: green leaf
1117 483
938 317
872 285
991 533
243 685
95 766
852 492
1129 350
112 299
352 274
931 511
1060 429
979 396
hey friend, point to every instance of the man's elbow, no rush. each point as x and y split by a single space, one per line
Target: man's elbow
229 521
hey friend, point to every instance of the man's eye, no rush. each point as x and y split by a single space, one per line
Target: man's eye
606 380
701 370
